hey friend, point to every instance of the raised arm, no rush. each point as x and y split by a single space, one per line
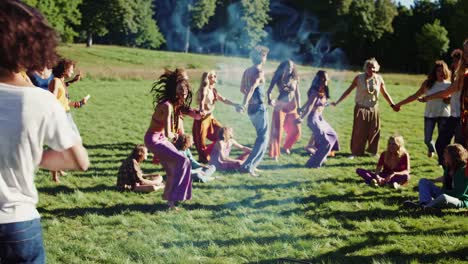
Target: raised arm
347 92
414 96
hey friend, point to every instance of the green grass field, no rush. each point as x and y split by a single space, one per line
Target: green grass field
325 215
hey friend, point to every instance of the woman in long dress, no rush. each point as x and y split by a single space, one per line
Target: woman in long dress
325 137
172 97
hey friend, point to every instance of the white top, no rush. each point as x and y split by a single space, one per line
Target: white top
437 107
367 91
29 119
455 104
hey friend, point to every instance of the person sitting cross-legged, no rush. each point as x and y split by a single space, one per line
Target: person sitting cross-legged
131 176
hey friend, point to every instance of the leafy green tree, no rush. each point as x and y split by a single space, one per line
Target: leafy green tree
63 15
255 17
432 42
123 22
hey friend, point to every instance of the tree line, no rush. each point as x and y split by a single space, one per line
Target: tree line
320 32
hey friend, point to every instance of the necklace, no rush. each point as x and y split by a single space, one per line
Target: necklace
371 83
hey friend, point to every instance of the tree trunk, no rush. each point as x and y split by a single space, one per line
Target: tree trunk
89 40
187 39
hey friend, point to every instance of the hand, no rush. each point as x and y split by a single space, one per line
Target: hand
202 113
77 77
446 100
241 108
422 99
84 100
298 120
334 104
396 107
272 102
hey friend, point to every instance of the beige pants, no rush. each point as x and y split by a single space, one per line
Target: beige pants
366 129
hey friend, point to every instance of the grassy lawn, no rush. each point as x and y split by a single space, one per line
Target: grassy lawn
325 215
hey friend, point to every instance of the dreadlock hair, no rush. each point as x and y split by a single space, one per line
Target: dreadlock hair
165 89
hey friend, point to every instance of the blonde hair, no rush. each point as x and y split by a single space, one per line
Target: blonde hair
205 82
461 68
374 62
401 147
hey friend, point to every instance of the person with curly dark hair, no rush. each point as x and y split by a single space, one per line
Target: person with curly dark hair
59 87
172 97
31 118
454 191
286 105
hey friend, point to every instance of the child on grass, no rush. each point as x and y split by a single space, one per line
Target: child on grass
220 153
131 177
200 172
392 168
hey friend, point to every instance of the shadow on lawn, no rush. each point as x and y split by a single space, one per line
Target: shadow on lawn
54 190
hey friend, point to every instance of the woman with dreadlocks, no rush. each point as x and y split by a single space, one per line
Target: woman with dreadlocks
172 98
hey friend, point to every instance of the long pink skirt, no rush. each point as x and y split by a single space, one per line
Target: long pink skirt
177 166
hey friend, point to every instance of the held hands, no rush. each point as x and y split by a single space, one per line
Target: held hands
396 107
240 108
422 99
298 120
272 102
334 104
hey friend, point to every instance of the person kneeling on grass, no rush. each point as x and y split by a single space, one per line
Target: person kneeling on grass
393 166
131 176
200 172
454 192
220 153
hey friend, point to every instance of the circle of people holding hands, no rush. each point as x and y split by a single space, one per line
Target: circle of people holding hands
26 58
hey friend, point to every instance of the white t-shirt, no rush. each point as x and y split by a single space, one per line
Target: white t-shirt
29 119
437 107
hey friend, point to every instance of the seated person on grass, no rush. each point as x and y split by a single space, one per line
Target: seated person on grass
220 153
393 166
131 176
200 172
454 191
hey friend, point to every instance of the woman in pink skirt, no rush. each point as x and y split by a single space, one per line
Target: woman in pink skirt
172 97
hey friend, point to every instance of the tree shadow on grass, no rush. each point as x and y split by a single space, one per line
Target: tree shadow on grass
62 189
213 186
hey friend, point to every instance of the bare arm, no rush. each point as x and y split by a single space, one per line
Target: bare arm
239 146
54 87
220 147
308 106
414 96
74 158
347 92
298 94
203 99
250 92
225 100
386 95
442 94
270 89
